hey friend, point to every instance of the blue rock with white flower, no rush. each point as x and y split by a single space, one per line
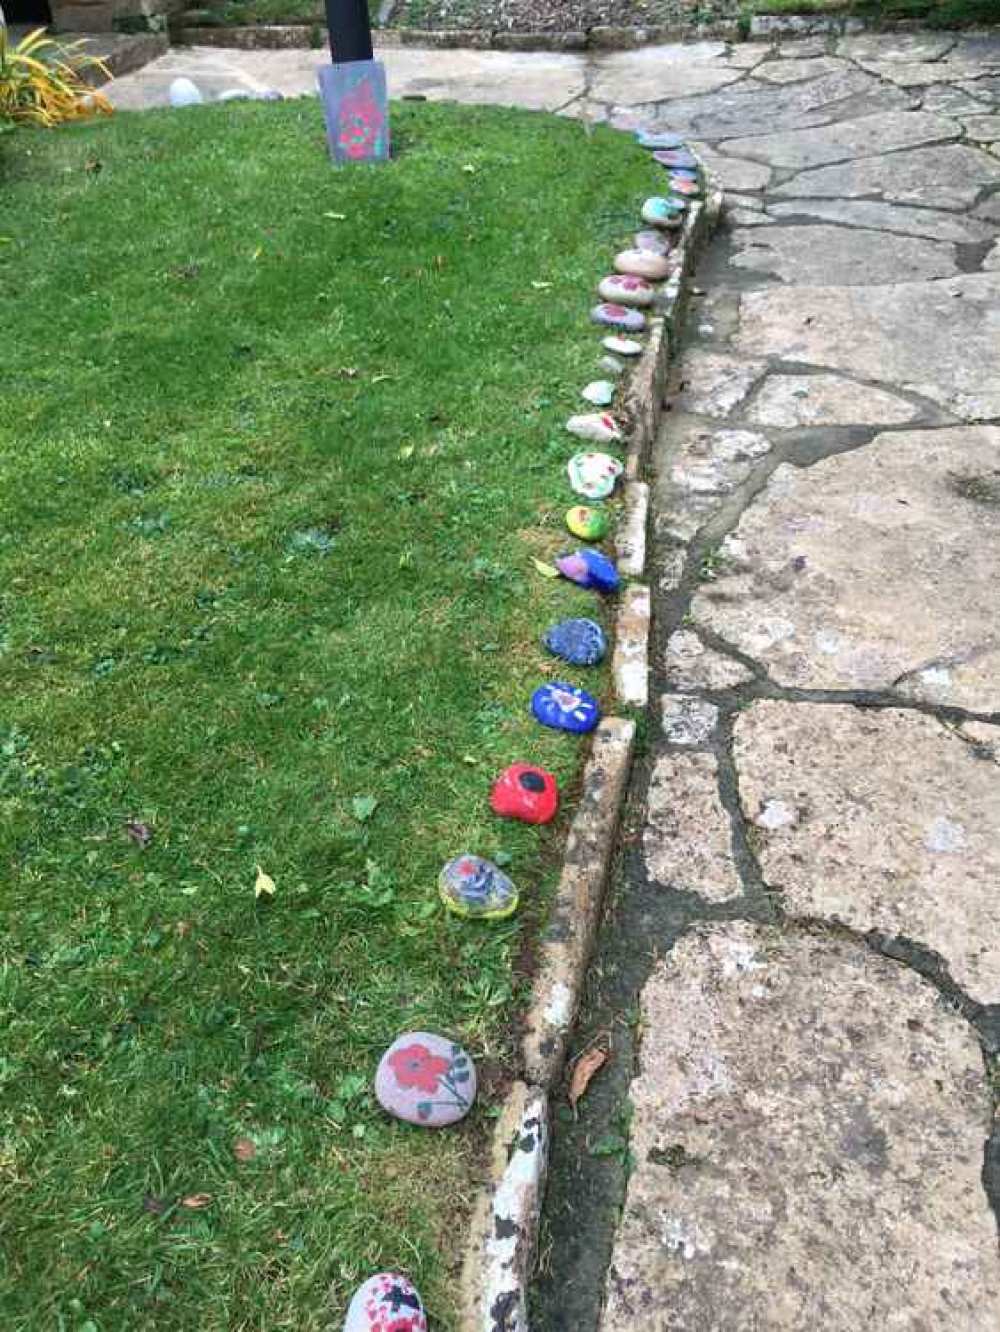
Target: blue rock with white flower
589 568
565 708
665 139
578 642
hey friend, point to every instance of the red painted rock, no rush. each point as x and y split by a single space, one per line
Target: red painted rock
526 793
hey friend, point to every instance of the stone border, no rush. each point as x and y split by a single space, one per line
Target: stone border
498 1256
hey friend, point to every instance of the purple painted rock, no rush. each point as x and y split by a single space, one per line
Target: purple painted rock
665 213
384 1302
621 346
654 241
676 157
626 290
425 1079
643 264
589 568
682 174
593 475
659 139
613 315
595 427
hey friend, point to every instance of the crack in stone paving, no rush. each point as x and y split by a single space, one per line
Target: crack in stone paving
593 1270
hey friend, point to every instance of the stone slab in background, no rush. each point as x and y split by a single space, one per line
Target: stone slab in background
845 256
950 177
687 841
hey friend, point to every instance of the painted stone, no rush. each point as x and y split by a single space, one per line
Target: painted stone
659 139
599 392
473 887
565 708
185 93
666 213
384 1302
613 315
653 241
683 185
425 1079
593 475
677 157
235 95
643 264
586 523
578 642
596 427
626 290
526 793
622 346
611 365
589 568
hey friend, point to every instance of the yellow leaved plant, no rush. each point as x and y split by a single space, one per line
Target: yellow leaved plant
42 81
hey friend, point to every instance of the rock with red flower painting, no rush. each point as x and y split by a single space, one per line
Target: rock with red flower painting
386 1303
425 1079
525 792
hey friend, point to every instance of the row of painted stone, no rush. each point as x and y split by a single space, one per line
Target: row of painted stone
185 92
425 1078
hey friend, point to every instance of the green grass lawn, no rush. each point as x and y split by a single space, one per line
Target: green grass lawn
277 445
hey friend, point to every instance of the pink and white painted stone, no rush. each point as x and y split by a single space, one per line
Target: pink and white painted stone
626 289
386 1303
425 1079
643 264
595 427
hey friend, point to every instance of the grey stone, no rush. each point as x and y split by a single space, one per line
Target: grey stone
986 89
894 827
713 383
687 842
919 74
989 209
799 149
688 664
807 1131
982 129
734 174
658 73
992 260
748 217
796 71
687 720
949 177
938 339
844 257
946 100
792 401
896 46
892 218
819 581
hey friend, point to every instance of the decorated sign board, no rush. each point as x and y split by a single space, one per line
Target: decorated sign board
356 107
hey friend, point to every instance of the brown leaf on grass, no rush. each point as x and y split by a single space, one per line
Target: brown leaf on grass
194 1202
244 1149
589 1063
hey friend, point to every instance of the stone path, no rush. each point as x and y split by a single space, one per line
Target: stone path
800 981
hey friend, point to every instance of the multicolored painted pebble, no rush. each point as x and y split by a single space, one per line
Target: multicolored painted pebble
683 186
655 241
597 427
565 708
666 213
626 290
525 792
593 475
591 569
613 315
386 1303
473 887
676 157
586 523
643 264
659 139
425 1079
578 642
622 346
599 392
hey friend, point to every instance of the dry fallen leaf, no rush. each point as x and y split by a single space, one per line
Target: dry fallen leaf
196 1201
244 1149
265 885
182 929
589 1063
546 570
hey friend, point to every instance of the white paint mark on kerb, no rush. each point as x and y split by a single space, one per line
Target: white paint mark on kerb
557 1010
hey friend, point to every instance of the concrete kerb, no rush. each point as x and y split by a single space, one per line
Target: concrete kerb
504 1229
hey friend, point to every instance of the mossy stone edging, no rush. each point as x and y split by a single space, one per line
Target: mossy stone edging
504 1227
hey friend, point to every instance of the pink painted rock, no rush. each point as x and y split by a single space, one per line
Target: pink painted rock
425 1079
595 427
643 264
614 315
626 290
653 240
386 1303
525 792
683 185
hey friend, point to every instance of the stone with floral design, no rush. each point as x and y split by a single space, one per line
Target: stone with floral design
665 213
597 427
590 569
676 157
659 139
622 346
386 1303
594 475
425 1079
587 523
525 792
613 315
643 264
473 887
626 289
565 708
579 642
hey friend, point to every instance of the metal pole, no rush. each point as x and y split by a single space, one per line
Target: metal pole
350 30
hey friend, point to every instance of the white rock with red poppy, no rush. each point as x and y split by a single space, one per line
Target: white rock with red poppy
622 346
386 1303
625 289
426 1079
595 427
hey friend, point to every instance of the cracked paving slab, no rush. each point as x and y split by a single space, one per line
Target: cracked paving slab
893 218
950 177
847 257
879 820
687 842
808 1132
871 135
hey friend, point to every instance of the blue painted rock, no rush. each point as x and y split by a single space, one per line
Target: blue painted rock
185 93
626 290
621 346
593 475
473 887
586 523
666 213
677 157
589 568
596 427
565 708
599 392
654 241
384 1302
659 139
525 792
613 315
643 264
579 642
425 1079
